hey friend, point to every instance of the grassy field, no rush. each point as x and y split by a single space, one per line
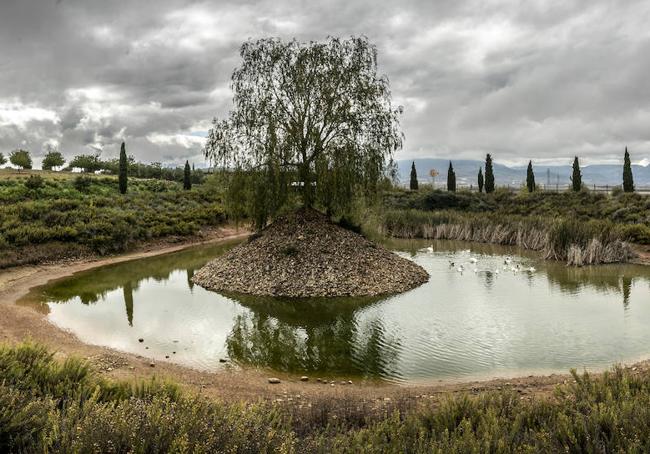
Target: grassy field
47 215
52 406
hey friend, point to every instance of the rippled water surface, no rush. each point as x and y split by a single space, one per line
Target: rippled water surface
470 324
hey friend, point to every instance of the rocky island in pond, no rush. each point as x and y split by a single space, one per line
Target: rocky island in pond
304 254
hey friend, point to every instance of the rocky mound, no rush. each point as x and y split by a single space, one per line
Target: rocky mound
304 254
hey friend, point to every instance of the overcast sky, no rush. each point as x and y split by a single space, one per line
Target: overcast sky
520 79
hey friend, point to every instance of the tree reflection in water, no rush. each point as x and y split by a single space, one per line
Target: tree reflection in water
312 335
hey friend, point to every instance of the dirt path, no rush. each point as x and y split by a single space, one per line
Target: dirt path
18 323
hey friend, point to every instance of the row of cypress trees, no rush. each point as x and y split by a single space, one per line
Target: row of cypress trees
487 182
124 167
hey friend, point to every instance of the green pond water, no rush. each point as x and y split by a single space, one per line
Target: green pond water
474 324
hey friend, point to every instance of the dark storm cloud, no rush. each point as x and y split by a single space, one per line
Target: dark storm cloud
534 79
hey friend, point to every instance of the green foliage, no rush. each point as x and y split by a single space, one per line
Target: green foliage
21 158
50 406
83 213
187 177
53 158
86 162
451 179
576 176
414 178
628 178
34 182
530 177
480 180
82 183
3 160
627 213
489 175
123 172
326 132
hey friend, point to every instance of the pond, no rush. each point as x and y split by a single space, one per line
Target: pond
507 314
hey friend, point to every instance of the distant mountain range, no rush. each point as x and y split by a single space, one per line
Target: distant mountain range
467 170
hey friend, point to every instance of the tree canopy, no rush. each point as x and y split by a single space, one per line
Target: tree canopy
576 176
451 178
480 180
21 158
489 175
314 116
414 178
628 178
530 177
53 158
123 170
3 160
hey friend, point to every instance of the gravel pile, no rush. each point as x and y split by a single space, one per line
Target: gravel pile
304 254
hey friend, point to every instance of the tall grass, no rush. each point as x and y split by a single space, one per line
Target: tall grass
576 242
46 406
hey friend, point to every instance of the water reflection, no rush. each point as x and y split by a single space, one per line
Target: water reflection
315 335
459 324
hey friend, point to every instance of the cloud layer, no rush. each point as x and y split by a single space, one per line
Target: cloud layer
540 79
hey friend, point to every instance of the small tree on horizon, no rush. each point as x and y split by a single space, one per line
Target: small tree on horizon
123 169
53 158
480 179
21 158
576 177
628 178
3 160
451 178
530 177
489 175
187 177
414 178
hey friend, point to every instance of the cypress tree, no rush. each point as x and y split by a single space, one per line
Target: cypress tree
451 178
414 178
530 177
187 177
489 175
480 180
123 170
576 178
628 179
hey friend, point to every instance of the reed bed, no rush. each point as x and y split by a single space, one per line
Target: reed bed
575 242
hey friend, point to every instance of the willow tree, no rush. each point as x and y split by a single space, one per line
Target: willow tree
315 117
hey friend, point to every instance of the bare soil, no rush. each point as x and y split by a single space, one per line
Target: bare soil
19 323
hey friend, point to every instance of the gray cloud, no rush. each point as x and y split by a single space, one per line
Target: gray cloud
536 79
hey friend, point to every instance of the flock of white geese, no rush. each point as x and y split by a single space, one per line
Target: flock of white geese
508 265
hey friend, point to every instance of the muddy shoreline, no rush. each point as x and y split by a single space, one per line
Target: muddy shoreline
19 323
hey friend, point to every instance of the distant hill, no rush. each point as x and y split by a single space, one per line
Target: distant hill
467 170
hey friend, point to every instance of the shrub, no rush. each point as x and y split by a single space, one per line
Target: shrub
82 183
34 182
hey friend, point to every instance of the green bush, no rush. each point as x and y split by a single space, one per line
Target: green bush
84 212
50 406
34 182
82 183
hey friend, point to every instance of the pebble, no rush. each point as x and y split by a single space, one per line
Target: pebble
141 340
223 360
304 378
166 356
152 365
274 381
